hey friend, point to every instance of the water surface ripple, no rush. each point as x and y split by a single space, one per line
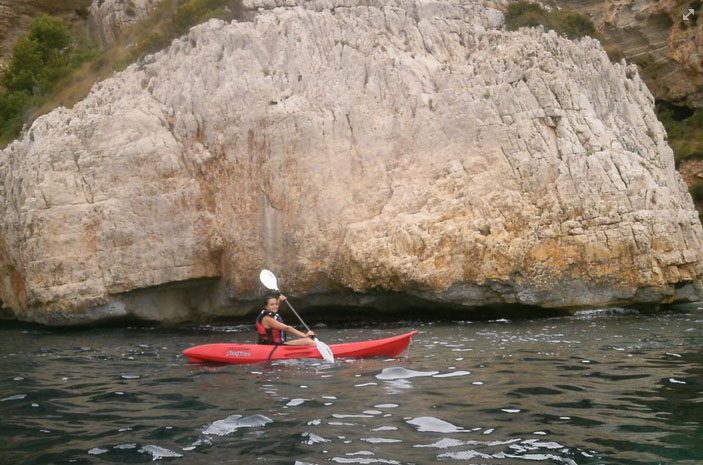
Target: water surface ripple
597 388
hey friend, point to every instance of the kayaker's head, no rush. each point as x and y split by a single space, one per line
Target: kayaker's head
271 304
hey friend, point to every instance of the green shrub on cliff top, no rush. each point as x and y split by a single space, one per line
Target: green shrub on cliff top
571 24
39 57
44 69
42 57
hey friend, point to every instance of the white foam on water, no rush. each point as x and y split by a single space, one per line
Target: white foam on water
510 410
537 444
158 453
34 404
97 451
296 402
128 376
452 374
15 397
434 425
380 440
130 445
394 373
464 455
199 442
372 412
398 385
18 378
234 422
385 428
443 443
386 405
342 415
366 384
363 461
673 354
314 439
502 443
537 458
676 381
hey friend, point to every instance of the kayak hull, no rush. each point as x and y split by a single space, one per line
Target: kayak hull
258 353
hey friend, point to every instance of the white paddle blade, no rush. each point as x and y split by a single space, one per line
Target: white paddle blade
268 279
325 351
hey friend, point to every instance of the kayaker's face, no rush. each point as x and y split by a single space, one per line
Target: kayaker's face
272 305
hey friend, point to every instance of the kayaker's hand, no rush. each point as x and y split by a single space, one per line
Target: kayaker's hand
282 298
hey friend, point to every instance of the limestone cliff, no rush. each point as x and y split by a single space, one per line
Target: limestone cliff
109 18
354 148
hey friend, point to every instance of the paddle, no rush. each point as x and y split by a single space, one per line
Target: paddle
269 280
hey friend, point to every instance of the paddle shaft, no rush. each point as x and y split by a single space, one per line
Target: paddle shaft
296 314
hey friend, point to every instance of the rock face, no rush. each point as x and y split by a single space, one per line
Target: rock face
653 34
110 17
16 16
354 148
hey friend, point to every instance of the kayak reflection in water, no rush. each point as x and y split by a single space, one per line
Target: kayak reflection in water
272 329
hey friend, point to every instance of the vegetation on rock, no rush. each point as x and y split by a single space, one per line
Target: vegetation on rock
568 23
171 19
41 60
51 66
685 130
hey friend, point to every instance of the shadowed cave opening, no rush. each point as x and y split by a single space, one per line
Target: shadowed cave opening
677 112
211 301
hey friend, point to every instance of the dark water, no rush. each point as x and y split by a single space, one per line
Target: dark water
602 387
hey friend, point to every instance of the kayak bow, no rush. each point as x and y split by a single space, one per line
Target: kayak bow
257 353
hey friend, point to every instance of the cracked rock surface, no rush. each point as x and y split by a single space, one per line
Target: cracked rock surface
109 18
352 148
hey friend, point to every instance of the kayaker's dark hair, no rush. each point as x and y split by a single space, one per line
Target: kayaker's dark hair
269 297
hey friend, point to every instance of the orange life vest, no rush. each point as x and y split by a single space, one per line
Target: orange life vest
269 335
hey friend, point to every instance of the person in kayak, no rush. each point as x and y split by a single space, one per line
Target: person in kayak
272 329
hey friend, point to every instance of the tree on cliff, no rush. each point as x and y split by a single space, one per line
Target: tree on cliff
40 59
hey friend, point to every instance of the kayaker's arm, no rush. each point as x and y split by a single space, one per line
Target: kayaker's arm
270 323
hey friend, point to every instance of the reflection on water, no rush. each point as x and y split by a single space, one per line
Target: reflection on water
598 388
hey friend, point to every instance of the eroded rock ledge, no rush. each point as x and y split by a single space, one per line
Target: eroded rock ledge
351 147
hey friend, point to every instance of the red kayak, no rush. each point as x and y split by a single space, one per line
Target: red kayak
257 353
